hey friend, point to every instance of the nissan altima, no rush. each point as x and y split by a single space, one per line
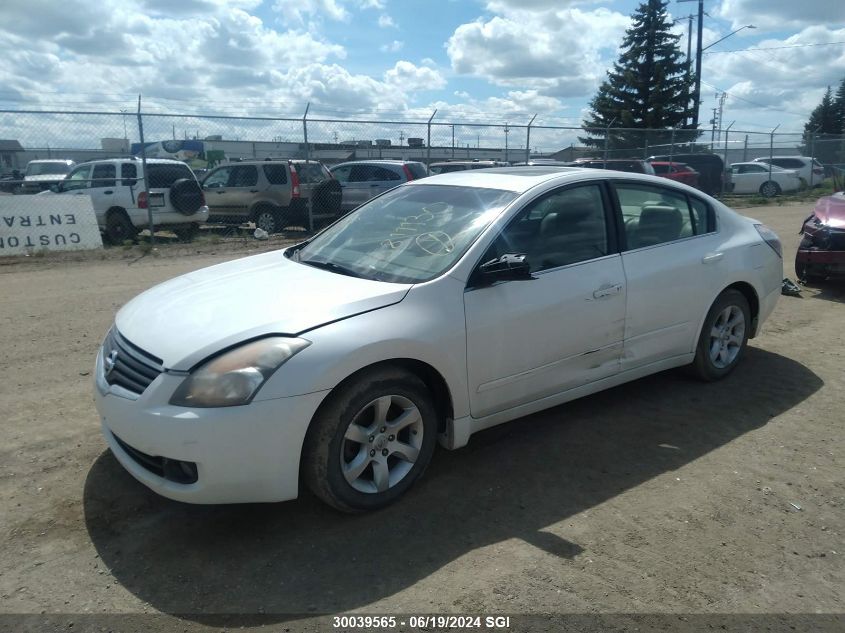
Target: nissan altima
440 308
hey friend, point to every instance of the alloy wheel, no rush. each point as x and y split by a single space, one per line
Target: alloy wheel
726 336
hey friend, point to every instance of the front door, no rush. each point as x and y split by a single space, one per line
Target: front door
530 339
215 186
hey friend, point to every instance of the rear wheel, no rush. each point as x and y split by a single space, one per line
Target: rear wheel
370 441
268 219
119 227
769 189
724 336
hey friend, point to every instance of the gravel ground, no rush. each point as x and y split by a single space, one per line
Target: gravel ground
664 495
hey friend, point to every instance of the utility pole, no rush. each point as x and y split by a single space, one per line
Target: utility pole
722 98
696 94
453 140
713 128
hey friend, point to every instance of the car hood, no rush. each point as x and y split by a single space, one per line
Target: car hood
830 210
186 319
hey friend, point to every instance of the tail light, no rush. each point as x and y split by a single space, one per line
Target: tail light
142 200
771 238
408 173
294 182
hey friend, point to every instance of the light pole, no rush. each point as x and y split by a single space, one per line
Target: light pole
698 51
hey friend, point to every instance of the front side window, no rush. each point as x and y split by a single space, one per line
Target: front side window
342 173
79 178
409 235
565 227
655 215
218 178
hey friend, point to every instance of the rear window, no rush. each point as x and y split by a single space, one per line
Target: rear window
276 174
417 169
163 175
787 163
310 173
660 169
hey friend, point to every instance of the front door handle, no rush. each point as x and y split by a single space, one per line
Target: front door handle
607 290
108 193
711 258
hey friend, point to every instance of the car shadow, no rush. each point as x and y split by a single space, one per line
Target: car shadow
832 289
290 559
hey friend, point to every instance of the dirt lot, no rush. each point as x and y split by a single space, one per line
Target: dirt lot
664 495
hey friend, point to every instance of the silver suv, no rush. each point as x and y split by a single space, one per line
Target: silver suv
365 179
272 193
120 201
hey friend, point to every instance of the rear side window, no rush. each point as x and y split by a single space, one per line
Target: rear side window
380 174
103 176
276 174
655 215
163 175
360 173
417 169
787 163
129 174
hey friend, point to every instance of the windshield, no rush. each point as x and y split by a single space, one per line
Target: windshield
408 235
42 169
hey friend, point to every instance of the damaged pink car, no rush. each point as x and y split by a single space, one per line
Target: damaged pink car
822 249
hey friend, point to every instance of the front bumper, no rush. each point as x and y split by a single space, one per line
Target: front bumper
816 256
241 454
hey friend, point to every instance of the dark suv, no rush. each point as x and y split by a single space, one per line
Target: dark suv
272 193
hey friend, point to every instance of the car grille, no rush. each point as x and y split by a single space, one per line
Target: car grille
837 241
128 366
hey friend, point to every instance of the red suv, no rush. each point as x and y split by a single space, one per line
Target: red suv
680 172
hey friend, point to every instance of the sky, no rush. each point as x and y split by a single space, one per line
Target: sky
471 60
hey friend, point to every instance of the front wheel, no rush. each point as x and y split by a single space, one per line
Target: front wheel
268 219
370 441
769 189
724 337
119 228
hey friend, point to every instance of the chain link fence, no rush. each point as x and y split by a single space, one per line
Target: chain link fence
39 149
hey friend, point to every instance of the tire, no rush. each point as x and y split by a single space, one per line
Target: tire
268 218
186 233
119 227
769 189
807 274
186 196
721 346
351 460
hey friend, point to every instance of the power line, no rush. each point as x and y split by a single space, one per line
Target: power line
774 48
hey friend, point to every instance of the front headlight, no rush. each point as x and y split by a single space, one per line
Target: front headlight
234 378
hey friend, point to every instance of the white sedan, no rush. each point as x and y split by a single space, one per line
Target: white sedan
767 180
440 308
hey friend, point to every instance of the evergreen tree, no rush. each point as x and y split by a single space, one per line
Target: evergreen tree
647 87
823 131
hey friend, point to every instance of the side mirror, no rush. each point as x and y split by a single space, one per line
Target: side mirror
508 267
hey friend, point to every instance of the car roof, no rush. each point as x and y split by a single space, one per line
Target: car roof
521 179
762 158
376 161
65 161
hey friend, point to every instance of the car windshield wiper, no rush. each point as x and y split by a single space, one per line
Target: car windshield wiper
331 266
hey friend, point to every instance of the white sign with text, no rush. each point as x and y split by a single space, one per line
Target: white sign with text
30 224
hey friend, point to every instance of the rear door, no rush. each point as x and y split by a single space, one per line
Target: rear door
674 266
355 180
382 179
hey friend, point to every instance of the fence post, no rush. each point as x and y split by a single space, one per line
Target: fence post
528 140
310 199
725 166
144 173
772 148
813 153
645 147
672 145
745 150
607 137
428 141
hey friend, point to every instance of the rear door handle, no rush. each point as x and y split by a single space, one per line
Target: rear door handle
607 290
375 185
108 193
711 258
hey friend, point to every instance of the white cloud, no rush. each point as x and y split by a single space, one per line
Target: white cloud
541 49
386 22
300 11
394 47
778 15
408 75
